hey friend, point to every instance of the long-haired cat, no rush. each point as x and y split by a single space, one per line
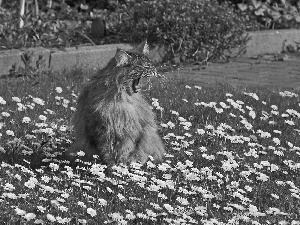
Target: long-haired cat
113 120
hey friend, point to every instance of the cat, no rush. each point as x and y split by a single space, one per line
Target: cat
113 120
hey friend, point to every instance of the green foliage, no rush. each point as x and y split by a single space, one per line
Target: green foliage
59 27
273 14
28 70
189 30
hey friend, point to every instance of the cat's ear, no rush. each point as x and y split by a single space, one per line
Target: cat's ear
143 48
121 57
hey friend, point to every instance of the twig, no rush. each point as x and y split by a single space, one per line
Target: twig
49 4
205 61
21 13
83 35
196 52
36 8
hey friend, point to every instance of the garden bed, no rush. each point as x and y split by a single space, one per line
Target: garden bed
91 57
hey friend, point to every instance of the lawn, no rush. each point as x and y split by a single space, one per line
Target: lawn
233 157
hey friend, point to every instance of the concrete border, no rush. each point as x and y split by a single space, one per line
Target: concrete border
261 42
272 41
59 59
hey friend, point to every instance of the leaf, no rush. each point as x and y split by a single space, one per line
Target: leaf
275 15
292 10
256 4
288 17
297 18
243 7
260 12
84 7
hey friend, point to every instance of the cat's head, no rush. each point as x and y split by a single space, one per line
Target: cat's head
135 65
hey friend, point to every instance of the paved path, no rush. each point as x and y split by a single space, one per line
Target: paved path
272 71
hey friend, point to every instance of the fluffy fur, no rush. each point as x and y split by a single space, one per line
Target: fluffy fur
113 120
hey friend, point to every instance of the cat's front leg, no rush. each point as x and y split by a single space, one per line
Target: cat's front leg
149 144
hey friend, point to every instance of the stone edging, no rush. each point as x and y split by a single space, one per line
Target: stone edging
57 59
262 42
272 41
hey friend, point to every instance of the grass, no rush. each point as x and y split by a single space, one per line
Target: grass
233 158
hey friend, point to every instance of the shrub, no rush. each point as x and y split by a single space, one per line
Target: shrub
271 14
61 26
190 30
